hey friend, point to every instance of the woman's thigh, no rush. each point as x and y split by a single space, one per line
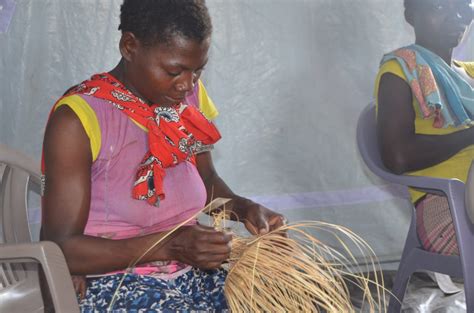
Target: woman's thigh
195 290
435 225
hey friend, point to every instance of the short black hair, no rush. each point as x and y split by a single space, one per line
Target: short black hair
158 21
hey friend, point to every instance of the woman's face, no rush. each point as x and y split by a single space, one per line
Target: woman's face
165 73
441 23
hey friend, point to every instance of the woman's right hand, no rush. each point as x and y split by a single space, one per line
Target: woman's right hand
199 246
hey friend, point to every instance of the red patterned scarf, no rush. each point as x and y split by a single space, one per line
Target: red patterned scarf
175 134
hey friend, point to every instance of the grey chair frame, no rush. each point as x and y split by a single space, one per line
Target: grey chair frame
19 256
414 257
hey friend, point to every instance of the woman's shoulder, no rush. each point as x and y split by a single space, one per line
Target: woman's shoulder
398 62
392 66
85 108
389 67
201 100
206 105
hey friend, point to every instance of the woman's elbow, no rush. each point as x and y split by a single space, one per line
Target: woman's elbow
395 162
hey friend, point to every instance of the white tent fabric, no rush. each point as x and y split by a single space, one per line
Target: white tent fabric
289 78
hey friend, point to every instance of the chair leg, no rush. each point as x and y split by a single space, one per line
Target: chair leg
404 270
469 293
399 288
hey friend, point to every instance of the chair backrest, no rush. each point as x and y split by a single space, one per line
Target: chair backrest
19 174
19 282
469 194
368 144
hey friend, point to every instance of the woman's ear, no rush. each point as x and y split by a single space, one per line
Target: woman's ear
128 46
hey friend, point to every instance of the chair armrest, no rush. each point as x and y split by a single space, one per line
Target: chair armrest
447 187
52 260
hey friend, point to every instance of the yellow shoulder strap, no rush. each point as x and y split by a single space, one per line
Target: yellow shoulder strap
206 105
467 66
88 119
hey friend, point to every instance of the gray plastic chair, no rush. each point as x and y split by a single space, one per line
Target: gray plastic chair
414 257
19 257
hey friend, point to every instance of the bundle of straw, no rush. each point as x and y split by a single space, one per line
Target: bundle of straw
274 273
296 273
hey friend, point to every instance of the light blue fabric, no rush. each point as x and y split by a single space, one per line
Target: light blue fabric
459 107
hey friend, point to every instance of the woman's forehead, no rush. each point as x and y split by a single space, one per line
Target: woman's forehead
187 53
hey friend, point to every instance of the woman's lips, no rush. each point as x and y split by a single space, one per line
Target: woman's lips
175 100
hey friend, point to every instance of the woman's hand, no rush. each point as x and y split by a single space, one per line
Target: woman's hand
199 246
80 285
258 219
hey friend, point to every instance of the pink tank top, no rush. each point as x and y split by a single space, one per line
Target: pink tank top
114 213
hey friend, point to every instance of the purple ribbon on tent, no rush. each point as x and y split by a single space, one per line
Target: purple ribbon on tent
7 8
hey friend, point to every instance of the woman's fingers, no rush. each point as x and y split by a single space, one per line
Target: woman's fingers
277 221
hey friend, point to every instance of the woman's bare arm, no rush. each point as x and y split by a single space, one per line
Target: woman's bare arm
402 149
67 203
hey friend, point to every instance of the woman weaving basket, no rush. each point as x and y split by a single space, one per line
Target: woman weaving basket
127 156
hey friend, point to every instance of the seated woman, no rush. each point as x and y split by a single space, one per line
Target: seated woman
425 108
127 157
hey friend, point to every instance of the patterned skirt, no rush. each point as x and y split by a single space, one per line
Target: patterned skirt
194 291
435 225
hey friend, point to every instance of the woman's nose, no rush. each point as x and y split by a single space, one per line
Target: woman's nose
186 84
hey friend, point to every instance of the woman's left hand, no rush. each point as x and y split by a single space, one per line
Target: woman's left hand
258 219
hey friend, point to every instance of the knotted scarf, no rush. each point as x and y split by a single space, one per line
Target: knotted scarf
429 76
175 134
